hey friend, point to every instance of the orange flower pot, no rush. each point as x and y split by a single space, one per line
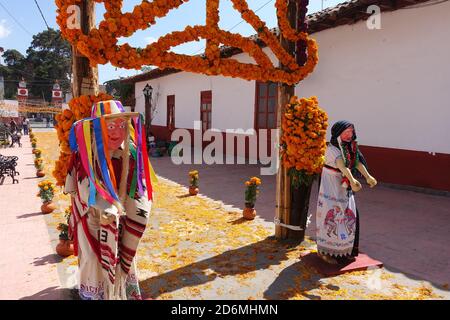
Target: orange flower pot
193 191
40 173
64 248
48 207
249 213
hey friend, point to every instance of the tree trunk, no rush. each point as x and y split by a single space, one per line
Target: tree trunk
85 77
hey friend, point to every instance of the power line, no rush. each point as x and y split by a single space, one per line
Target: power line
42 15
12 16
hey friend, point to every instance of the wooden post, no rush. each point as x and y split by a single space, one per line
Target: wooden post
85 77
292 204
285 92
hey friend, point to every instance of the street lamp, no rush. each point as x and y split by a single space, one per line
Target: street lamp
148 91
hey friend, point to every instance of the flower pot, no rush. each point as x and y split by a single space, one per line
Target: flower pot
40 173
64 248
249 212
193 191
48 207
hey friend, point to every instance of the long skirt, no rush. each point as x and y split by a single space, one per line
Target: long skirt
337 218
91 276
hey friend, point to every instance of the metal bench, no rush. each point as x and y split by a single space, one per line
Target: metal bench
8 168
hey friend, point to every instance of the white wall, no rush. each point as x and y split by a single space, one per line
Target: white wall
393 83
232 100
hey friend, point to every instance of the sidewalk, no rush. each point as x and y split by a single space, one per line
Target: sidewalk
27 260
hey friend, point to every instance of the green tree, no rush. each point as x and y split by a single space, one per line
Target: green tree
12 71
119 90
49 57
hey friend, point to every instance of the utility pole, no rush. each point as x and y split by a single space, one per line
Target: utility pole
291 204
85 77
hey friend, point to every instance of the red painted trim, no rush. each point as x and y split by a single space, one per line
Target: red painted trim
397 166
407 167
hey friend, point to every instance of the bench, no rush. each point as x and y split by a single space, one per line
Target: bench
8 168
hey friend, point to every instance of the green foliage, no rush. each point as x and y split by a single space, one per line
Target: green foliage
119 90
300 177
13 71
46 195
48 58
251 193
194 181
64 231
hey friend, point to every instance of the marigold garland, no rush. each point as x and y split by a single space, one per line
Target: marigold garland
101 44
79 108
303 140
54 110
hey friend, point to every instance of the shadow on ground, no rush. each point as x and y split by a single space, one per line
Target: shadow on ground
48 259
53 293
257 256
29 215
282 287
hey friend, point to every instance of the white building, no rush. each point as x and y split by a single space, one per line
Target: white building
392 83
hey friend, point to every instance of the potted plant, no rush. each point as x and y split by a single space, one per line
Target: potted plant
65 246
37 153
46 193
251 192
33 143
31 136
38 164
193 182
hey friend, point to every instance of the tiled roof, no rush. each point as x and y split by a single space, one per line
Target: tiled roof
348 12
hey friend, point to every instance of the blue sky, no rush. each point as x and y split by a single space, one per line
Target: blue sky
18 34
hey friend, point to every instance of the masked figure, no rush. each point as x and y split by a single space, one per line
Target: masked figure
337 215
109 179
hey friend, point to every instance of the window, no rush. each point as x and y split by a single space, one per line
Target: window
170 112
266 105
205 109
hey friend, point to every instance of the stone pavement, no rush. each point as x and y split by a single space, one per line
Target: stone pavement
28 260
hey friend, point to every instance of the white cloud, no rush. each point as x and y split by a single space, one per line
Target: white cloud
4 30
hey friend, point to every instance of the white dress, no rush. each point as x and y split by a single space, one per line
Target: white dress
336 210
85 221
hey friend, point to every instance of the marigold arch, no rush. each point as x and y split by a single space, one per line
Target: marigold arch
101 44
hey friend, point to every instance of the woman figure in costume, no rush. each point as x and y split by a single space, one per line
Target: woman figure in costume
110 186
337 216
